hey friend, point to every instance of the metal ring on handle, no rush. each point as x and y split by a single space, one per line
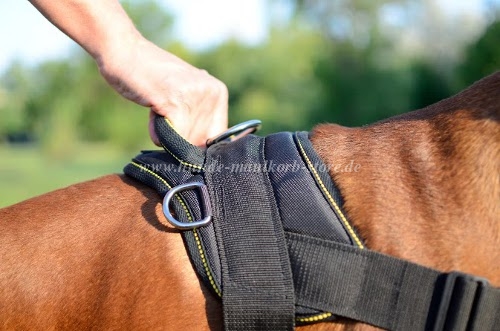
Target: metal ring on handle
205 207
236 132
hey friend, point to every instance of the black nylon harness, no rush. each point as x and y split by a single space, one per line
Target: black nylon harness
280 252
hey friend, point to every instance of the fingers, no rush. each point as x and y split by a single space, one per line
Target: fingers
198 108
194 101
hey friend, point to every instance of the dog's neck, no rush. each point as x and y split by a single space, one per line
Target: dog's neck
426 185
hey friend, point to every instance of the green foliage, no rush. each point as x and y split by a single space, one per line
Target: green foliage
151 19
429 86
482 57
26 171
329 61
14 99
355 20
274 81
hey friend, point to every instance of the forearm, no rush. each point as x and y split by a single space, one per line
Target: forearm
194 101
97 25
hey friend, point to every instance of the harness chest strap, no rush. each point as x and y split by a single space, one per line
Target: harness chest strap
258 158
336 276
264 255
388 292
256 276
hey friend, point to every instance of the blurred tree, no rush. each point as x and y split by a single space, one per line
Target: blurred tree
323 61
274 81
152 20
62 101
482 57
14 96
429 85
355 76
356 20
358 90
368 75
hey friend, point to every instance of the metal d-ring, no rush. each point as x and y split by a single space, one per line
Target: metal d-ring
207 210
236 132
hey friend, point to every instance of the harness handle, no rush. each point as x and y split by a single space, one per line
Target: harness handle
182 150
190 155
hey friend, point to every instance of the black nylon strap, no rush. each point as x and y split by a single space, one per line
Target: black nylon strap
257 286
261 263
161 170
188 155
387 292
487 310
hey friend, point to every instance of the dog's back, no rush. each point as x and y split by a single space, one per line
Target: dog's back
97 256
428 185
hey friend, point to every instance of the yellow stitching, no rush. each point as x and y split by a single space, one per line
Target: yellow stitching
197 238
179 198
314 318
170 124
182 161
330 198
205 264
175 156
151 173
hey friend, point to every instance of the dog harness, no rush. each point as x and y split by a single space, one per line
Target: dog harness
265 230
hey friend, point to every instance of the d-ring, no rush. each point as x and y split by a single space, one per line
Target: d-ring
204 202
236 132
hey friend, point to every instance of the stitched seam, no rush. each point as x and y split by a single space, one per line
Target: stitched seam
330 198
175 156
327 243
180 160
273 206
170 125
181 201
314 318
205 263
196 236
151 173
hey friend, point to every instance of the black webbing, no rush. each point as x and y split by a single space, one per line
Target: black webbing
388 292
161 171
257 286
188 155
266 270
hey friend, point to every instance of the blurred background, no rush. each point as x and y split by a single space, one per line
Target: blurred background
290 63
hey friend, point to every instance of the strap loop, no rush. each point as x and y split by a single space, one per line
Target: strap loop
458 302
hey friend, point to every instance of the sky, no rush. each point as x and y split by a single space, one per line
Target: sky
25 35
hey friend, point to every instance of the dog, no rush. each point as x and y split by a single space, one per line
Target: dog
99 255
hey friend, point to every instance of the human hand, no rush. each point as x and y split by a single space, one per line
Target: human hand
195 102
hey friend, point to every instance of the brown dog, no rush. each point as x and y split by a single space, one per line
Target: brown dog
97 255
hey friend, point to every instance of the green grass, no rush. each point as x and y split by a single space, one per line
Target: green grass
26 172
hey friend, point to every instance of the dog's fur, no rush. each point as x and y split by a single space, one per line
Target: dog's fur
98 255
